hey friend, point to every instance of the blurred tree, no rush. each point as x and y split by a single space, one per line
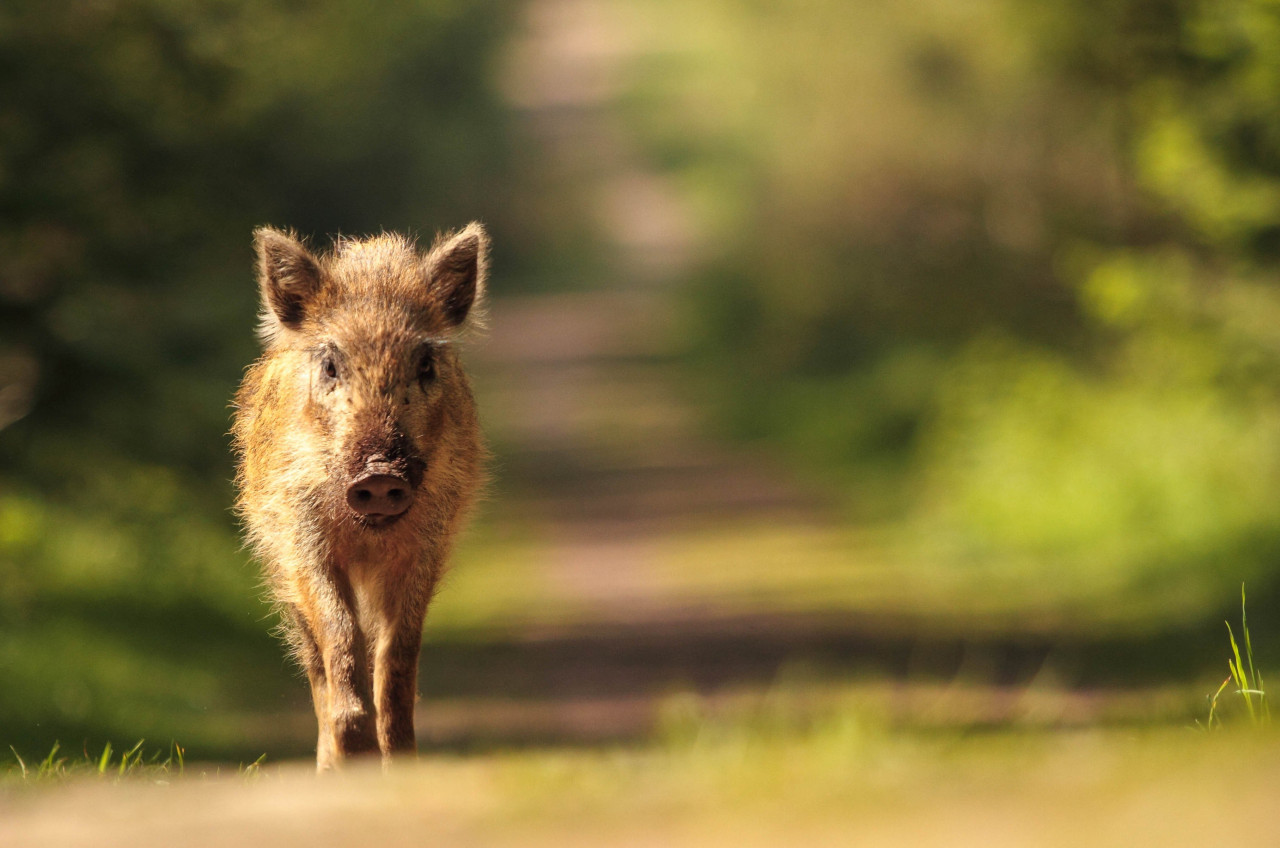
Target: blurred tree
1011 259
1157 457
879 187
140 142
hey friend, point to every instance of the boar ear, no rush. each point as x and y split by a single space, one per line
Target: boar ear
287 274
456 267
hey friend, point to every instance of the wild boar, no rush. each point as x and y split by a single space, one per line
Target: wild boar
359 456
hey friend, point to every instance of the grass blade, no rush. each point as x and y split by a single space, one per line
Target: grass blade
124 761
1213 706
105 759
49 766
1238 674
1248 643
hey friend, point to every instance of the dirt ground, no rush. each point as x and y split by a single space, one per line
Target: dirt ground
1085 788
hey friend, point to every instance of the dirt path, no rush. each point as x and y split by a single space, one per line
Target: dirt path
599 446
599 449
1075 789
604 453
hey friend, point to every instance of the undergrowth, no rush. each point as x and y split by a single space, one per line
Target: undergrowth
160 766
1248 681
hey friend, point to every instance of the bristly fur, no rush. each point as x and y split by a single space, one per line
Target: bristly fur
360 369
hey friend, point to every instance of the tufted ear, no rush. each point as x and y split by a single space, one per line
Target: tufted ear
456 267
288 276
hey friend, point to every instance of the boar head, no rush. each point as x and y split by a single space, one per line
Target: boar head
366 334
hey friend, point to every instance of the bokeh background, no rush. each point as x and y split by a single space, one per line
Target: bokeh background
920 361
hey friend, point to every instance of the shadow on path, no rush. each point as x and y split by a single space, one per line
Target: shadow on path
614 683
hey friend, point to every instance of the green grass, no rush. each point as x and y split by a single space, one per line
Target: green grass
160 765
133 762
1244 673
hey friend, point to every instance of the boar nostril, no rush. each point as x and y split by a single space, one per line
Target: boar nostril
379 495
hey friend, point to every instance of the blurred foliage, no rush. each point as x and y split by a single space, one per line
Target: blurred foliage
1005 268
140 142
1001 270
143 140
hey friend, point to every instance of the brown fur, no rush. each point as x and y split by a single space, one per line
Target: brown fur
339 388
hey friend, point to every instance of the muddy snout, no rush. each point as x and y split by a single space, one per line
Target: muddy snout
381 494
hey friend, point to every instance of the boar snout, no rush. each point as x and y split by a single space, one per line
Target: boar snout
379 497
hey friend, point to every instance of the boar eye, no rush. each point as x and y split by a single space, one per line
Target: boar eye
329 368
426 368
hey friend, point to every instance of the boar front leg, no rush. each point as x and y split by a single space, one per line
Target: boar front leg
396 678
310 658
339 673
